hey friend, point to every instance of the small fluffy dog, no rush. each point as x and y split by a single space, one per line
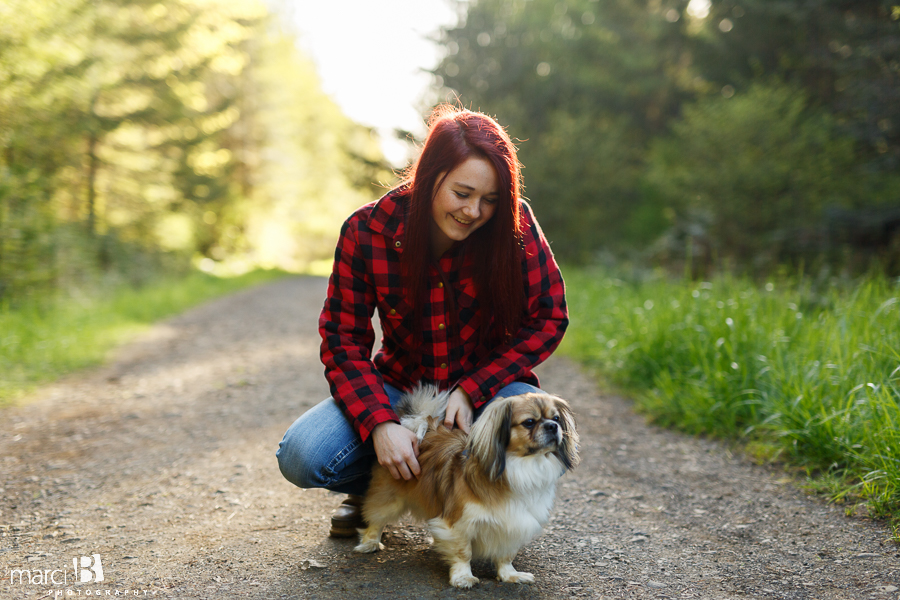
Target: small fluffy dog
483 495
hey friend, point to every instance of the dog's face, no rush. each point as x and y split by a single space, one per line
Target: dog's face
535 425
528 425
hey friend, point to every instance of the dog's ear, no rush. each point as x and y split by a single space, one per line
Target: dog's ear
490 437
568 448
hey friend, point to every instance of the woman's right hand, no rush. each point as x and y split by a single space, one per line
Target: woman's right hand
397 448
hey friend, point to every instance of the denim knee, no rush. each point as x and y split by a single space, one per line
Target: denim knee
309 459
517 388
321 450
296 466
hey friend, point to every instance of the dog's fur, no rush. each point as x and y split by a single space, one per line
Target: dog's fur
484 495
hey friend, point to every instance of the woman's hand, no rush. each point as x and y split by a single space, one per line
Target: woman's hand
459 410
396 448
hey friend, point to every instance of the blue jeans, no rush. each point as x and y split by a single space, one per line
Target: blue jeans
322 450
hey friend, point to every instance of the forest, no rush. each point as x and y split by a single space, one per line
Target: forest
742 135
142 137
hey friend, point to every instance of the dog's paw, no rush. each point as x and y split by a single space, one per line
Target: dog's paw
518 577
461 575
369 546
463 580
508 574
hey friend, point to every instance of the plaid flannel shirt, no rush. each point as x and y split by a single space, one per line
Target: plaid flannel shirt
366 276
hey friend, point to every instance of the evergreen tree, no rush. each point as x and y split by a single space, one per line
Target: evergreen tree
137 134
585 85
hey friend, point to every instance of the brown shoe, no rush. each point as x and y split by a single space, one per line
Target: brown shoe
347 518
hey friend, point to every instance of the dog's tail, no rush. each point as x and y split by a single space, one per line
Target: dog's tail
420 403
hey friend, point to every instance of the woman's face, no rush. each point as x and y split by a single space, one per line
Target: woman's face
466 200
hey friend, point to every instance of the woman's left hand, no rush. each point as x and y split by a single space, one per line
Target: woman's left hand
459 410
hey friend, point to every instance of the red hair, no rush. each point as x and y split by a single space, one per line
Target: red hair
455 135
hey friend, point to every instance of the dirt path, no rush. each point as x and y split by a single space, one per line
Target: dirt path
162 463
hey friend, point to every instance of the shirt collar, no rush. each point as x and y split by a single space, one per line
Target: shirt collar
388 216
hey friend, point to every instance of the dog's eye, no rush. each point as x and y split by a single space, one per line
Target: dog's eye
556 418
528 423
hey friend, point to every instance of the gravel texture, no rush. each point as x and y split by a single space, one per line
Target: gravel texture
162 463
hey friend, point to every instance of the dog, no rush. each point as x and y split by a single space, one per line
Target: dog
482 495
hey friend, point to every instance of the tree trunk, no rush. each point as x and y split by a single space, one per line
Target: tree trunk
93 163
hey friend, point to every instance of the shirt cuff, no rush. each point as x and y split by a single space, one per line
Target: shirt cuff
373 420
476 393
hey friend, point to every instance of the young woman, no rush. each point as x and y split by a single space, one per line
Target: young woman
468 295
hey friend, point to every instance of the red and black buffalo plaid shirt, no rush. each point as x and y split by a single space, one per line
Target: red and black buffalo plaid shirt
366 276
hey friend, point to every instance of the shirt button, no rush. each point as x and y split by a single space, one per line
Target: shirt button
441 326
393 311
443 365
440 284
397 244
484 398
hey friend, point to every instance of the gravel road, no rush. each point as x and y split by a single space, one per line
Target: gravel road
162 464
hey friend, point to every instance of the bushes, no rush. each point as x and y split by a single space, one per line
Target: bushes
751 175
583 176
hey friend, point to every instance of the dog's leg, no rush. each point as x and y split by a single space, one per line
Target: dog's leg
456 548
377 518
381 506
508 574
370 539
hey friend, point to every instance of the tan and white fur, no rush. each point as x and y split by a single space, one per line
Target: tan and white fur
483 495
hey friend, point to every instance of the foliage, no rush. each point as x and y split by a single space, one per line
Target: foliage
149 126
585 85
610 98
750 176
43 340
844 53
809 368
310 165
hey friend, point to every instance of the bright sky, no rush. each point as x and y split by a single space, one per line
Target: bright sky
371 55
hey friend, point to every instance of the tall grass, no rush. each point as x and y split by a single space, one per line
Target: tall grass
40 341
808 373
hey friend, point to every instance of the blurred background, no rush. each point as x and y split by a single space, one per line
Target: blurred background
719 178
148 137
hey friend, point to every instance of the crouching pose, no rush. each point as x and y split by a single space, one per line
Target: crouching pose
469 298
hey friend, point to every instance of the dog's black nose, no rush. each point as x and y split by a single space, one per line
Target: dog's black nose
551 426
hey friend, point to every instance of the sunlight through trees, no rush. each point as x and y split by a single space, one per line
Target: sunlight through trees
135 136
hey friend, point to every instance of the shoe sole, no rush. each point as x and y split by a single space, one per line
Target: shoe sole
342 533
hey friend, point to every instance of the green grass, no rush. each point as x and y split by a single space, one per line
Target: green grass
807 374
41 341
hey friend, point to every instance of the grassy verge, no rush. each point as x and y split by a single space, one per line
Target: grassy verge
42 341
805 374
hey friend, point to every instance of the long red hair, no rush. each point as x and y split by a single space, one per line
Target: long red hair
455 135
